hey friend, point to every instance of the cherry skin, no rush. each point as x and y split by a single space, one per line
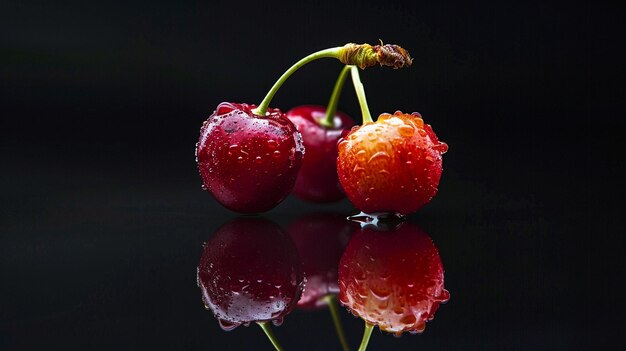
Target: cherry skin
393 279
250 271
249 163
320 239
317 180
391 165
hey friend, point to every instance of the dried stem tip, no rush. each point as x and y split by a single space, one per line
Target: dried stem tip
365 55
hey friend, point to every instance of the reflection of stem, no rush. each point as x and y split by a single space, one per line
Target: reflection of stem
366 336
268 331
331 300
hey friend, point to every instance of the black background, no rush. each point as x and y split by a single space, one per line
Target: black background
102 218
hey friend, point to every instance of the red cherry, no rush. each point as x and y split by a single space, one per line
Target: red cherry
391 165
320 239
250 271
249 163
393 279
317 180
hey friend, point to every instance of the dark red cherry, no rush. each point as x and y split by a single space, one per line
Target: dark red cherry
393 279
317 180
250 271
320 239
249 163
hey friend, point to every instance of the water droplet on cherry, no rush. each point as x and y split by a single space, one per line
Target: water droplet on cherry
406 130
227 326
441 147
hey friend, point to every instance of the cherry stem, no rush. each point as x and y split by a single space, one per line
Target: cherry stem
362 55
331 109
360 94
366 336
331 300
327 53
268 331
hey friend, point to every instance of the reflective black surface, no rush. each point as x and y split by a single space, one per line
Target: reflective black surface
102 218
100 266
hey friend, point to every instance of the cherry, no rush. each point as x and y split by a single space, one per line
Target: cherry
249 163
250 271
391 165
320 239
317 179
392 279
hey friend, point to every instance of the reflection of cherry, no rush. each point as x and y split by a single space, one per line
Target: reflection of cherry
250 271
392 279
320 239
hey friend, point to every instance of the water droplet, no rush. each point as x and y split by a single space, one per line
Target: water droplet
272 144
441 147
342 145
278 321
258 160
395 121
233 149
276 154
227 326
444 296
357 168
378 155
418 122
406 130
299 143
361 155
381 292
383 117
240 159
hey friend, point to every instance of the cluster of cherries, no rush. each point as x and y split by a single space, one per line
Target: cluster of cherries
389 274
252 157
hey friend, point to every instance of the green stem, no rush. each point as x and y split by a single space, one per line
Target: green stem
331 109
360 94
327 53
331 300
366 336
268 331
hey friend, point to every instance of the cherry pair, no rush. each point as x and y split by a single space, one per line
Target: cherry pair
251 158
